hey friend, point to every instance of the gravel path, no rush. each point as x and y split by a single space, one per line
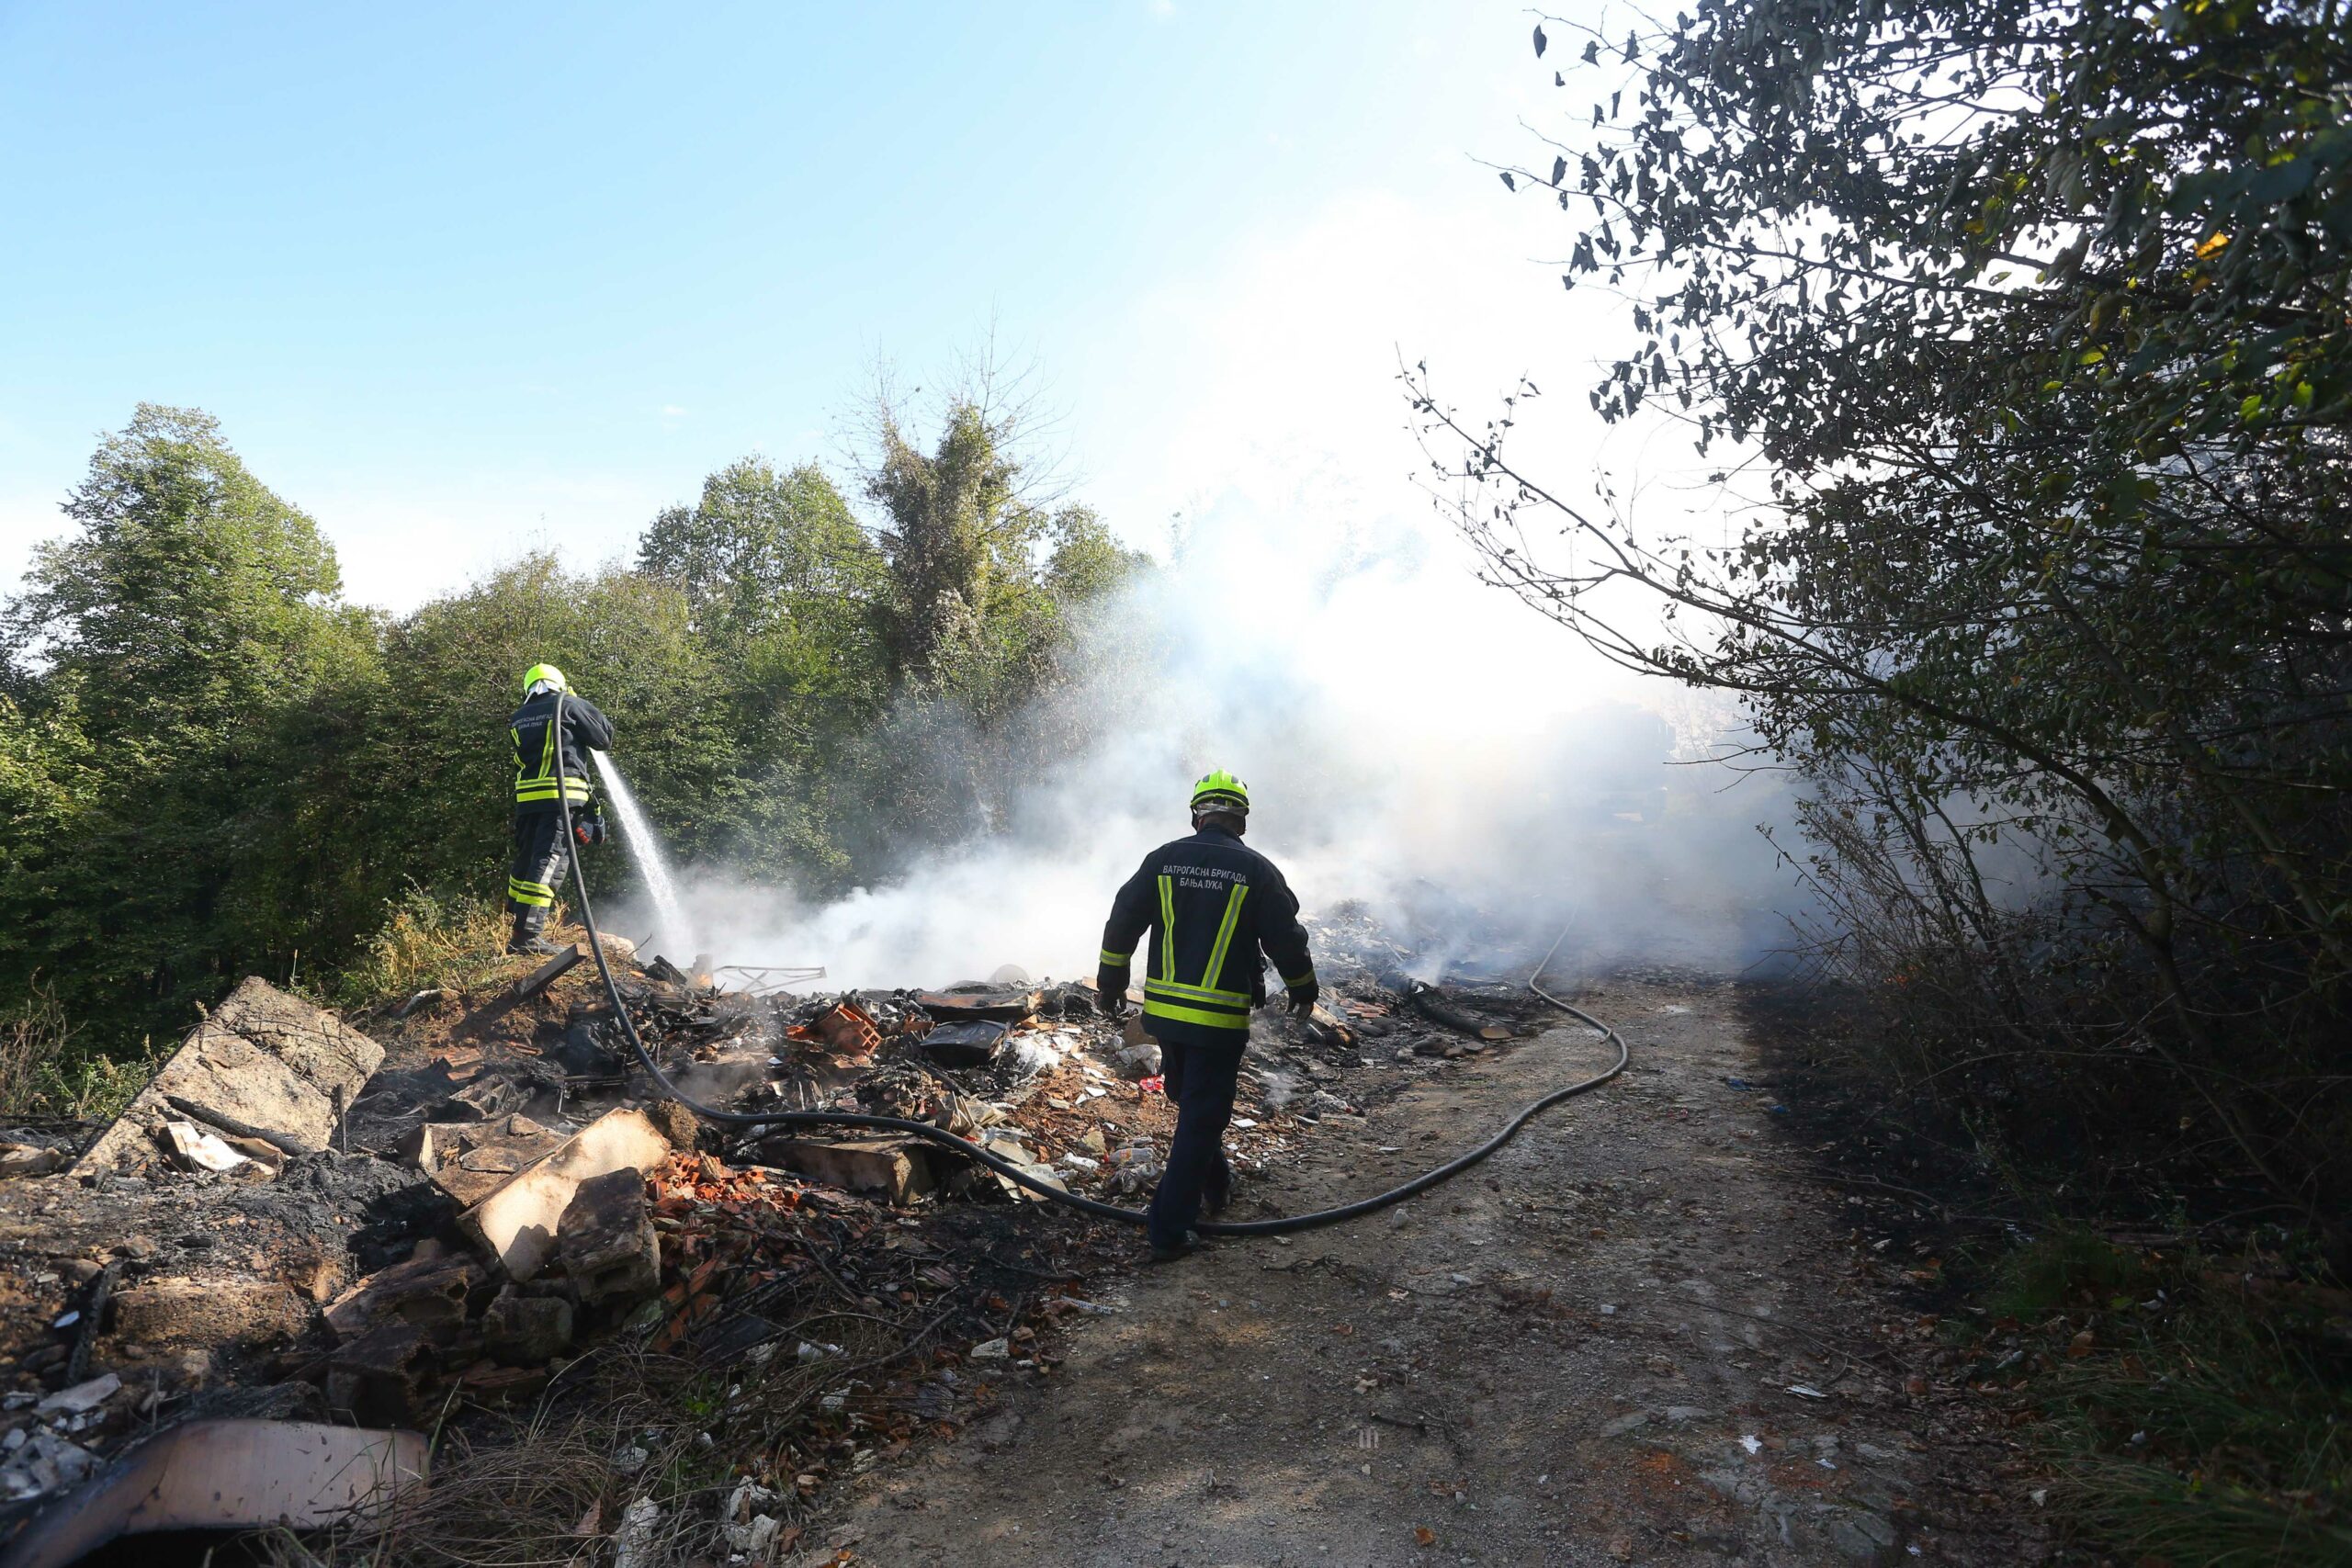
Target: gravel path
1629 1338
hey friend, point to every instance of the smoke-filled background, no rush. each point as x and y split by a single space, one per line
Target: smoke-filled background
1415 742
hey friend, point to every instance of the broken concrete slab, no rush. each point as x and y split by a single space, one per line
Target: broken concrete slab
469 1160
680 1125
610 1249
162 1315
425 1292
265 1058
379 1378
225 1475
516 1223
527 1331
895 1168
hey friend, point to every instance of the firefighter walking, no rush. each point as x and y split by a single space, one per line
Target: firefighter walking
550 769
1211 906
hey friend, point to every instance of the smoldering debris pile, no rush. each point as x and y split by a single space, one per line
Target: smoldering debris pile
295 1224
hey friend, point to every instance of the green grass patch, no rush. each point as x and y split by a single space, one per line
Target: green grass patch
2195 1412
2063 1270
49 1069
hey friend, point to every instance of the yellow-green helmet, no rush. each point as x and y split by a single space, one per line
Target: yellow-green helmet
538 672
1220 791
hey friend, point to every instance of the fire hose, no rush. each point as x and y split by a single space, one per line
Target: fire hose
1017 1174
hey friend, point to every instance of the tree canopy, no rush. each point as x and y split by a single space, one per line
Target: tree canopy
2030 318
211 763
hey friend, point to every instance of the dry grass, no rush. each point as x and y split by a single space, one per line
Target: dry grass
44 1074
425 943
557 1487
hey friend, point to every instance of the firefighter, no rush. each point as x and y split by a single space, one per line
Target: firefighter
543 771
1212 905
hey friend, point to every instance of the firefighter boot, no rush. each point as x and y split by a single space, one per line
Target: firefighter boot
528 919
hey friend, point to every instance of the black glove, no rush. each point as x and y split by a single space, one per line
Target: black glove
1302 997
1110 992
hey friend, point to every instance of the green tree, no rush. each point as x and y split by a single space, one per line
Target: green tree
763 547
162 648
2035 316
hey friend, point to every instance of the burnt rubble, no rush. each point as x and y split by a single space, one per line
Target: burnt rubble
296 1223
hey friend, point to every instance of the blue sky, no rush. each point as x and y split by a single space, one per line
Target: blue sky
465 280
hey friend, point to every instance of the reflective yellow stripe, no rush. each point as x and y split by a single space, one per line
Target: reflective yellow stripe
1215 971
1156 1008
1168 926
1116 960
530 892
1198 993
541 785
1306 979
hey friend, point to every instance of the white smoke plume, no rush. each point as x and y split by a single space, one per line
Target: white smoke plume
1413 740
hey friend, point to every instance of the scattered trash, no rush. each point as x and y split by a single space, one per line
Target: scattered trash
518 1223
1753 1445
633 1540
975 1044
450 1231
846 1029
81 1398
192 1148
1806 1390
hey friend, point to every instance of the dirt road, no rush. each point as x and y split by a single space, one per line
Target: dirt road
1631 1336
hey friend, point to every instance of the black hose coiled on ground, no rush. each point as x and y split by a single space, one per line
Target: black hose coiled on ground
1005 1167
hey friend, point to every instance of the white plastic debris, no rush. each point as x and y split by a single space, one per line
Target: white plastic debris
1806 1390
633 1543
83 1397
193 1148
810 1352
991 1351
45 1462
1752 1444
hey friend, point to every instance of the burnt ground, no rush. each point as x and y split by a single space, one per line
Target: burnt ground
1586 1351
